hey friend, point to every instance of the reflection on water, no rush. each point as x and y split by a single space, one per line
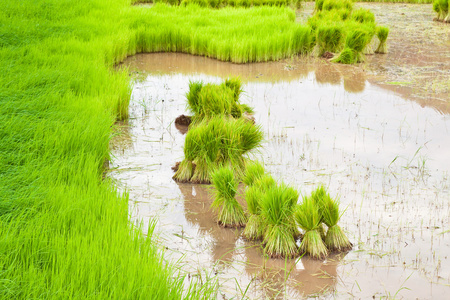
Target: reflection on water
385 157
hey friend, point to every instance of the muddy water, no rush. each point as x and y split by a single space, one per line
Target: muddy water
386 158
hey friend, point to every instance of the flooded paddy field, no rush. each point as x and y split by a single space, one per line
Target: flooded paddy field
377 135
385 156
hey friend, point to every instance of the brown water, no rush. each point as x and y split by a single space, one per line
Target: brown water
384 156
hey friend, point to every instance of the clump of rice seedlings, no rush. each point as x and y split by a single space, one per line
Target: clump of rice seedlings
309 218
229 211
253 172
277 208
442 8
335 240
355 42
363 16
254 230
214 142
318 5
208 100
346 56
329 37
317 197
382 34
337 4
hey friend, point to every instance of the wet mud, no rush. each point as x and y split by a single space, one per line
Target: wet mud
382 152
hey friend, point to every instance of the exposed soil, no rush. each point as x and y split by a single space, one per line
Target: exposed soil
183 120
384 155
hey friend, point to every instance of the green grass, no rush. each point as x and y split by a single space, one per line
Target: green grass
65 232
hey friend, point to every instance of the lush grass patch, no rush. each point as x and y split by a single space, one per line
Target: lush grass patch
64 232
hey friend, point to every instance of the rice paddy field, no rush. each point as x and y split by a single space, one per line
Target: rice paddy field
89 208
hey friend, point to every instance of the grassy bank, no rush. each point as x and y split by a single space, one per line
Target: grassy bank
64 233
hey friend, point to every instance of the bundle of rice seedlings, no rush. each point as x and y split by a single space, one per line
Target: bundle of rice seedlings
329 37
318 5
235 84
209 100
355 42
309 218
201 3
277 208
442 8
253 172
317 196
219 141
229 211
337 4
254 230
362 16
346 56
382 34
335 239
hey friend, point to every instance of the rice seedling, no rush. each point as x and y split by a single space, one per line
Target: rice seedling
382 34
309 218
229 211
219 141
335 240
254 230
277 208
253 172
